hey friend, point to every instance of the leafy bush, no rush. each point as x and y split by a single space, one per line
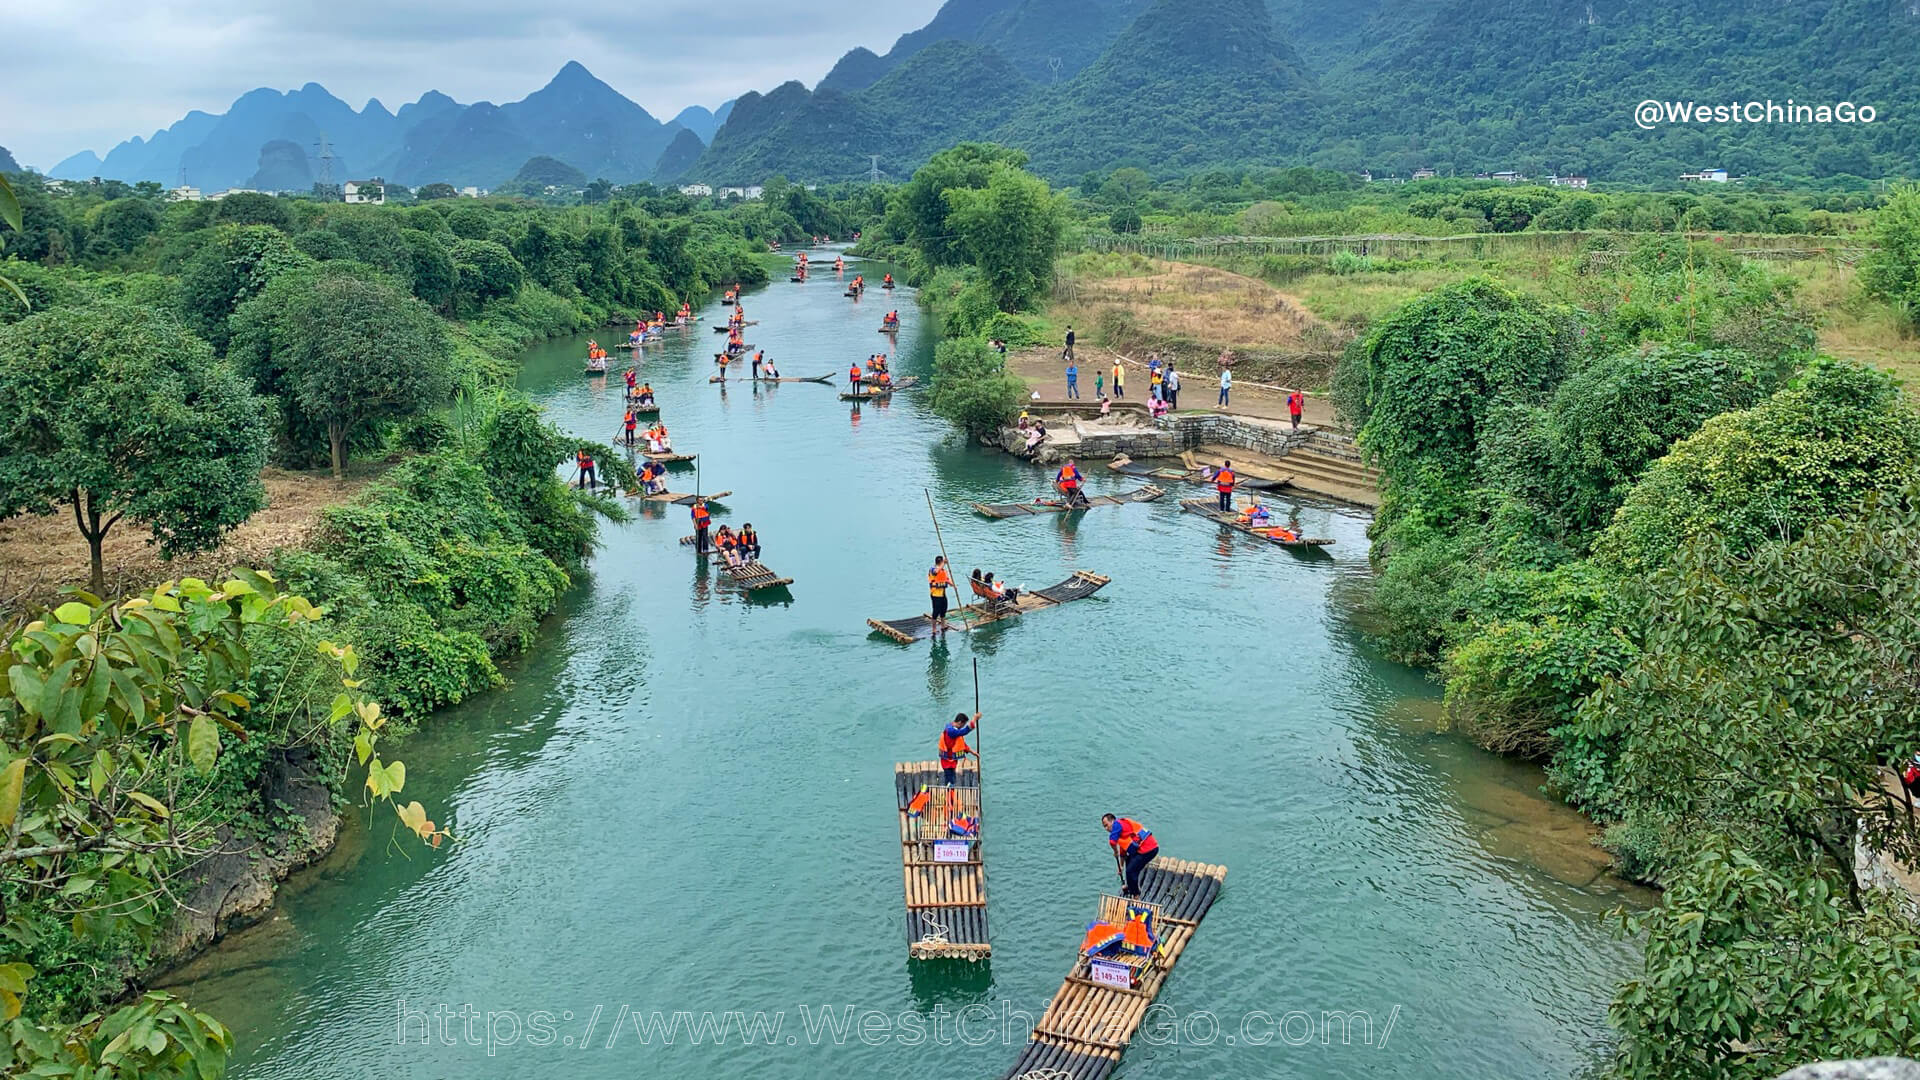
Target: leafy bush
972 387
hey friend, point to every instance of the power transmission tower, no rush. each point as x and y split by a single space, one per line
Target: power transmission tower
324 152
874 174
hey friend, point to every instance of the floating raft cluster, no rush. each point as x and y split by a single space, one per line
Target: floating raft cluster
1078 587
1059 506
946 901
826 379
889 390
1212 511
1087 1025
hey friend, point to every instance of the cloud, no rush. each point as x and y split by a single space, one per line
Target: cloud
86 74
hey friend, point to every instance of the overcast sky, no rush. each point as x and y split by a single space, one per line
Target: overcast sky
85 74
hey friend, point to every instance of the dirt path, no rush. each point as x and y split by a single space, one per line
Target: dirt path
41 555
1045 372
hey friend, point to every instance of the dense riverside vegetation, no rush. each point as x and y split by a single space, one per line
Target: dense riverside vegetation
1657 540
164 353
1641 526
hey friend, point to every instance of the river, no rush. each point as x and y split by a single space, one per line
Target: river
684 800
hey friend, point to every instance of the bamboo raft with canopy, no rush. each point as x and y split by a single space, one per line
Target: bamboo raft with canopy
676 498
889 390
1100 1006
920 627
1126 466
1059 506
825 380
1269 533
940 860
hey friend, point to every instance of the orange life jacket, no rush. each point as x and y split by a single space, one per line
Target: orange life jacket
581 458
1130 831
951 747
1223 480
701 516
938 581
1068 477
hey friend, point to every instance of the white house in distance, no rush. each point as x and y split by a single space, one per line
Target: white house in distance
183 193
696 191
218 195
1710 176
1567 181
372 191
1424 174
471 193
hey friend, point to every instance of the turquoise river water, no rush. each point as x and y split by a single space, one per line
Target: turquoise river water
684 801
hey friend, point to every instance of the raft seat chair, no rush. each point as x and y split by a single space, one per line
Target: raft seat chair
948 806
1129 933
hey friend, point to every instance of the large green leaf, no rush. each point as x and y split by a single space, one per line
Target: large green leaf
203 743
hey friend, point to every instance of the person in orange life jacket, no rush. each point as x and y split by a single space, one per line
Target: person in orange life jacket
853 377
728 545
652 477
939 580
585 462
702 518
953 744
646 394
1223 482
749 542
632 378
1068 479
1296 401
1133 848
757 357
888 280
631 424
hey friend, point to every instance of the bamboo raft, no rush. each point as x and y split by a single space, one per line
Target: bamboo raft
754 577
641 412
675 498
907 383
1059 506
1078 587
946 900
733 354
1088 1024
668 459
826 379
1129 467
890 329
1211 510
729 326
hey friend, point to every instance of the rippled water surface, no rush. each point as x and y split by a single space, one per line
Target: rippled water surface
684 801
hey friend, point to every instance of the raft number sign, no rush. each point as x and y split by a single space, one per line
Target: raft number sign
950 851
1108 973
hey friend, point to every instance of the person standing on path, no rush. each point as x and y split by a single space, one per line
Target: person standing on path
1073 379
1223 482
938 582
1119 380
1172 388
1226 386
1133 848
1099 385
1296 401
1069 344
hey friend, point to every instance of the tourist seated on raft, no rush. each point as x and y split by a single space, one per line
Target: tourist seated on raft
657 441
728 545
646 394
1256 515
653 478
749 543
768 371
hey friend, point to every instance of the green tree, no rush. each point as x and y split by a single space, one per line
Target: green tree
918 214
1891 269
972 387
237 262
115 411
485 270
433 273
253 208
1819 447
429 192
1011 231
125 224
356 350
